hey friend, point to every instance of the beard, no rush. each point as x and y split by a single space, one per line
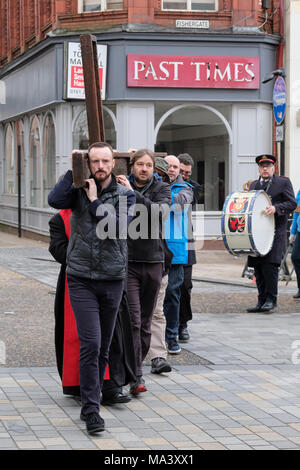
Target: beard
101 176
140 181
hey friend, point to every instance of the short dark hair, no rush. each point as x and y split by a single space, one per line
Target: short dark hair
139 154
101 145
186 159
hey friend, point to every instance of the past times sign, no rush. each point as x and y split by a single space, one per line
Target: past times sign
185 71
75 80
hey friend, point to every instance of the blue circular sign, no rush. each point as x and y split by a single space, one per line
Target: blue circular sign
279 99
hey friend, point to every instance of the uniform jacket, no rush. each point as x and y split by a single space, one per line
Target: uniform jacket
283 198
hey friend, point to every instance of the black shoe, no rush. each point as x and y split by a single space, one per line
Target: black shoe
267 306
115 399
183 336
94 422
297 296
160 365
257 308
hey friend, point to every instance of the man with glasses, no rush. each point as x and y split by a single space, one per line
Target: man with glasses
186 168
266 268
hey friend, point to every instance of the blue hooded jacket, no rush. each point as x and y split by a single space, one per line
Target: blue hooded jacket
296 219
176 224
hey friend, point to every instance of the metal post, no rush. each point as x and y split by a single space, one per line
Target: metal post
19 191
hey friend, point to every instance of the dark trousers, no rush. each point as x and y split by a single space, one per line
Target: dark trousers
185 313
143 283
95 305
267 281
296 258
172 301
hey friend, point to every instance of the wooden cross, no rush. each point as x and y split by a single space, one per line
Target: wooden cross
94 110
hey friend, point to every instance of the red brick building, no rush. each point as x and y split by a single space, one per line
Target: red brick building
179 76
23 23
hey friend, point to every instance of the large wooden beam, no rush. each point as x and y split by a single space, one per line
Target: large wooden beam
94 113
92 88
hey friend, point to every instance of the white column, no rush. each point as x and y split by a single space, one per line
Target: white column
135 125
252 136
292 65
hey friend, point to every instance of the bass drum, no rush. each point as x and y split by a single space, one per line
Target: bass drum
246 229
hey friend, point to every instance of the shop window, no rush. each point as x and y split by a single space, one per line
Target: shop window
81 135
49 158
10 167
35 163
203 135
190 5
20 153
86 6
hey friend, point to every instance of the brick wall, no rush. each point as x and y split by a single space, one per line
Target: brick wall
25 22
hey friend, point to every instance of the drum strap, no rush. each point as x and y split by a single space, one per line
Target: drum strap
266 189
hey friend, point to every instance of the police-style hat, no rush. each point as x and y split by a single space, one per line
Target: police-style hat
266 158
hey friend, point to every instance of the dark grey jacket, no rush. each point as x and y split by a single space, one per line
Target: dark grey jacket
89 256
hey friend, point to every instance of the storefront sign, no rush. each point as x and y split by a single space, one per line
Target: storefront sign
75 80
279 99
186 71
202 24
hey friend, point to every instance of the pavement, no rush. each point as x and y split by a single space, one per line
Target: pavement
235 385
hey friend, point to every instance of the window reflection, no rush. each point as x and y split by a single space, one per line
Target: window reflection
35 163
49 158
81 134
9 161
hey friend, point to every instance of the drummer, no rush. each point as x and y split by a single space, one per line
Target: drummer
266 268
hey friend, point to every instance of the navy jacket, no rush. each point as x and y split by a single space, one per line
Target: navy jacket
283 198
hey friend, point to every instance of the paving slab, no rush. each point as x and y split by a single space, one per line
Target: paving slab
235 386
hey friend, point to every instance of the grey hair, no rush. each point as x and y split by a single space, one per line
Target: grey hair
186 159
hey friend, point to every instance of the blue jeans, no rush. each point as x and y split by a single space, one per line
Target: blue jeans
172 301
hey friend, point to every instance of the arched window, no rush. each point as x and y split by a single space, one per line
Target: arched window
81 135
49 158
10 167
20 153
200 131
35 163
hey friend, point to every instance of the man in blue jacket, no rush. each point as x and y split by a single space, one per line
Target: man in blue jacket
96 268
295 241
177 236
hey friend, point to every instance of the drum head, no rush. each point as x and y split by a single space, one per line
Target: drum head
262 226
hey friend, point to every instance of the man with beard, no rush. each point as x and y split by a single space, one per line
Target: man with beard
146 254
96 268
